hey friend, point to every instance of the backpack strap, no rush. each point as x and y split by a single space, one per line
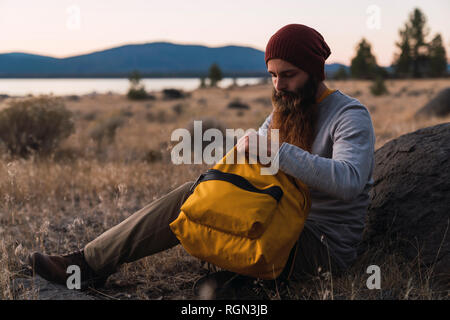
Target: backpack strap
212 174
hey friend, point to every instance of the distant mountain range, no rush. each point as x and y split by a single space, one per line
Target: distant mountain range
157 59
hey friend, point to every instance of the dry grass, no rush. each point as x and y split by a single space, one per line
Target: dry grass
58 204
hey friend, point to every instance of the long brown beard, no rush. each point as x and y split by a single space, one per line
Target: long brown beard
295 115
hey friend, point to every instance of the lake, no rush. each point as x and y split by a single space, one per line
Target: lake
21 87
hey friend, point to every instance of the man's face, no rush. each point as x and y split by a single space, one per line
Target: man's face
293 99
285 76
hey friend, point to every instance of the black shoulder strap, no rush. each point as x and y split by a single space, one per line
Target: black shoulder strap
275 191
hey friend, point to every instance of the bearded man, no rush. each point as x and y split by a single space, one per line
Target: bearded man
327 141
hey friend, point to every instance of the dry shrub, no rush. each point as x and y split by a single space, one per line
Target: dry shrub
170 94
138 94
179 108
90 116
378 87
153 156
35 125
105 131
236 104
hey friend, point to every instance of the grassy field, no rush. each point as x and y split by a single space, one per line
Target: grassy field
58 204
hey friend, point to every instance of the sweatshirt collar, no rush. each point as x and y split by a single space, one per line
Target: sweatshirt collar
325 94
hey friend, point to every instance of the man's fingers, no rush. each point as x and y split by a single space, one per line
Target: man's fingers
242 144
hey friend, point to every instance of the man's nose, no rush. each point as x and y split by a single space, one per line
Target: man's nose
280 84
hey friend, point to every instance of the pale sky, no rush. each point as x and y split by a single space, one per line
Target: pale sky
56 29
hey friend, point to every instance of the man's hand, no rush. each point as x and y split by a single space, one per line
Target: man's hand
255 145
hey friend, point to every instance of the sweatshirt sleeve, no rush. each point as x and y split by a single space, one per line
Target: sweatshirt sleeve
263 129
347 172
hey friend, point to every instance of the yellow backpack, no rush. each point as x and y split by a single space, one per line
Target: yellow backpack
242 221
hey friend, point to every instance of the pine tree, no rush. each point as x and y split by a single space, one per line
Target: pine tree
134 78
419 31
415 53
215 74
437 58
403 60
364 64
136 90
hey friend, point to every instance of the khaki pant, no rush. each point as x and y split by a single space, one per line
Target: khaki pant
147 232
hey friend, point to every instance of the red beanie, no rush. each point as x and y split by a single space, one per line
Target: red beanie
300 45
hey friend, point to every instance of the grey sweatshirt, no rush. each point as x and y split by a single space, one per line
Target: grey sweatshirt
338 172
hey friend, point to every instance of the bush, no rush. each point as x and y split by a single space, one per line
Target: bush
173 94
178 109
105 131
35 125
137 90
153 156
378 87
215 74
139 94
236 104
90 116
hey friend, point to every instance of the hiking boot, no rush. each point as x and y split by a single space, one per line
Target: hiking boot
54 269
